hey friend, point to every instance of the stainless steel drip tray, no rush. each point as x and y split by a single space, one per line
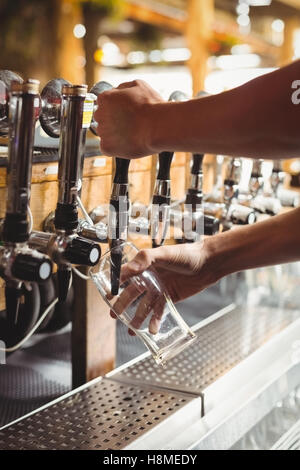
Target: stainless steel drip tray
224 341
103 415
243 361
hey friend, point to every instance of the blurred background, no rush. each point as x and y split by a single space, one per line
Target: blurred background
185 44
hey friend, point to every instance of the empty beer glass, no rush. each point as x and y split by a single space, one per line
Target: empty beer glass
142 304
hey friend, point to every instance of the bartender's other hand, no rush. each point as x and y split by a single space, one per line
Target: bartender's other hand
124 119
183 269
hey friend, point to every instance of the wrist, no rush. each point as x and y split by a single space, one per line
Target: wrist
164 128
218 256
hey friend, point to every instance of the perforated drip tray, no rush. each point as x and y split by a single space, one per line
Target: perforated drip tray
124 409
105 415
220 345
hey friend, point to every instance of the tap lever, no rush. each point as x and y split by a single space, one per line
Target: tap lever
165 162
116 264
121 173
13 295
64 278
197 164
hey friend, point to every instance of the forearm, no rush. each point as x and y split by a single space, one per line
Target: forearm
271 242
256 120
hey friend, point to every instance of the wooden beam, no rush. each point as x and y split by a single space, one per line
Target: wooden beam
222 22
68 49
146 15
198 34
291 3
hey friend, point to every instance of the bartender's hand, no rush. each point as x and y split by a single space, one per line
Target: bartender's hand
183 270
188 269
124 119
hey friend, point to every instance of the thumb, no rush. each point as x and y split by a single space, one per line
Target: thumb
142 261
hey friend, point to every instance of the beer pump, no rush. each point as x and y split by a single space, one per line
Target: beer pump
261 202
287 197
19 263
160 211
195 222
67 113
119 205
233 212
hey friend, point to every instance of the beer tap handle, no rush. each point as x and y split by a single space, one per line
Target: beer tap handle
197 164
164 165
160 214
121 173
119 205
12 300
64 279
118 220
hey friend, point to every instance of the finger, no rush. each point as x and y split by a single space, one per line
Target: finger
140 263
162 257
126 85
155 321
144 308
129 295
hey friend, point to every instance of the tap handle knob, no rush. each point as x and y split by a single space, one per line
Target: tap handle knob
82 251
31 267
121 173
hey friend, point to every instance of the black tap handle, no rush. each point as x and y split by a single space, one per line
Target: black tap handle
12 302
197 164
211 225
32 268
165 162
116 264
82 251
121 173
64 275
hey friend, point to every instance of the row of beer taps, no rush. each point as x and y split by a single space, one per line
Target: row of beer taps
65 111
